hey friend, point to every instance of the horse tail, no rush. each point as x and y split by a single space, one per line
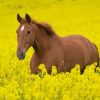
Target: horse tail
98 61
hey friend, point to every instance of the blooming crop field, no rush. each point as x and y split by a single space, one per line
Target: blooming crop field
66 17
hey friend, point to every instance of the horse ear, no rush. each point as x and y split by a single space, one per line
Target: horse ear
28 18
19 18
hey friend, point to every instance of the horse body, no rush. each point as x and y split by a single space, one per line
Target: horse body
50 49
65 53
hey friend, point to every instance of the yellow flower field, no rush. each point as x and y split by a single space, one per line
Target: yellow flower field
67 17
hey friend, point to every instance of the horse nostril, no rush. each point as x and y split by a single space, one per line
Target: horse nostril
21 55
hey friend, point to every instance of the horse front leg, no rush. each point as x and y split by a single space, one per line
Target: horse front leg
48 67
34 64
59 65
34 69
49 70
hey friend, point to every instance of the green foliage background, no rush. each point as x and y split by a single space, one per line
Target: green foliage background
66 17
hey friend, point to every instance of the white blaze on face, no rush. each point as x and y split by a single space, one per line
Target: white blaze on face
22 28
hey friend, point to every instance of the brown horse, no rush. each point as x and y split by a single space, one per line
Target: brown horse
50 49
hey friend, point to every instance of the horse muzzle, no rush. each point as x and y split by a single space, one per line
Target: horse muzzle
21 55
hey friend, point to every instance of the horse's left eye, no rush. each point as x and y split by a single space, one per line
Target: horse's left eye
28 32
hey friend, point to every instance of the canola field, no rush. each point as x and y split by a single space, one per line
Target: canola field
67 17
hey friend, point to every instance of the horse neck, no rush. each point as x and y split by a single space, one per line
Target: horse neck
42 43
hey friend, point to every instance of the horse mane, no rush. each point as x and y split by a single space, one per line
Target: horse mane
45 26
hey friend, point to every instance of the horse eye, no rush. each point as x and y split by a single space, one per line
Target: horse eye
28 32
